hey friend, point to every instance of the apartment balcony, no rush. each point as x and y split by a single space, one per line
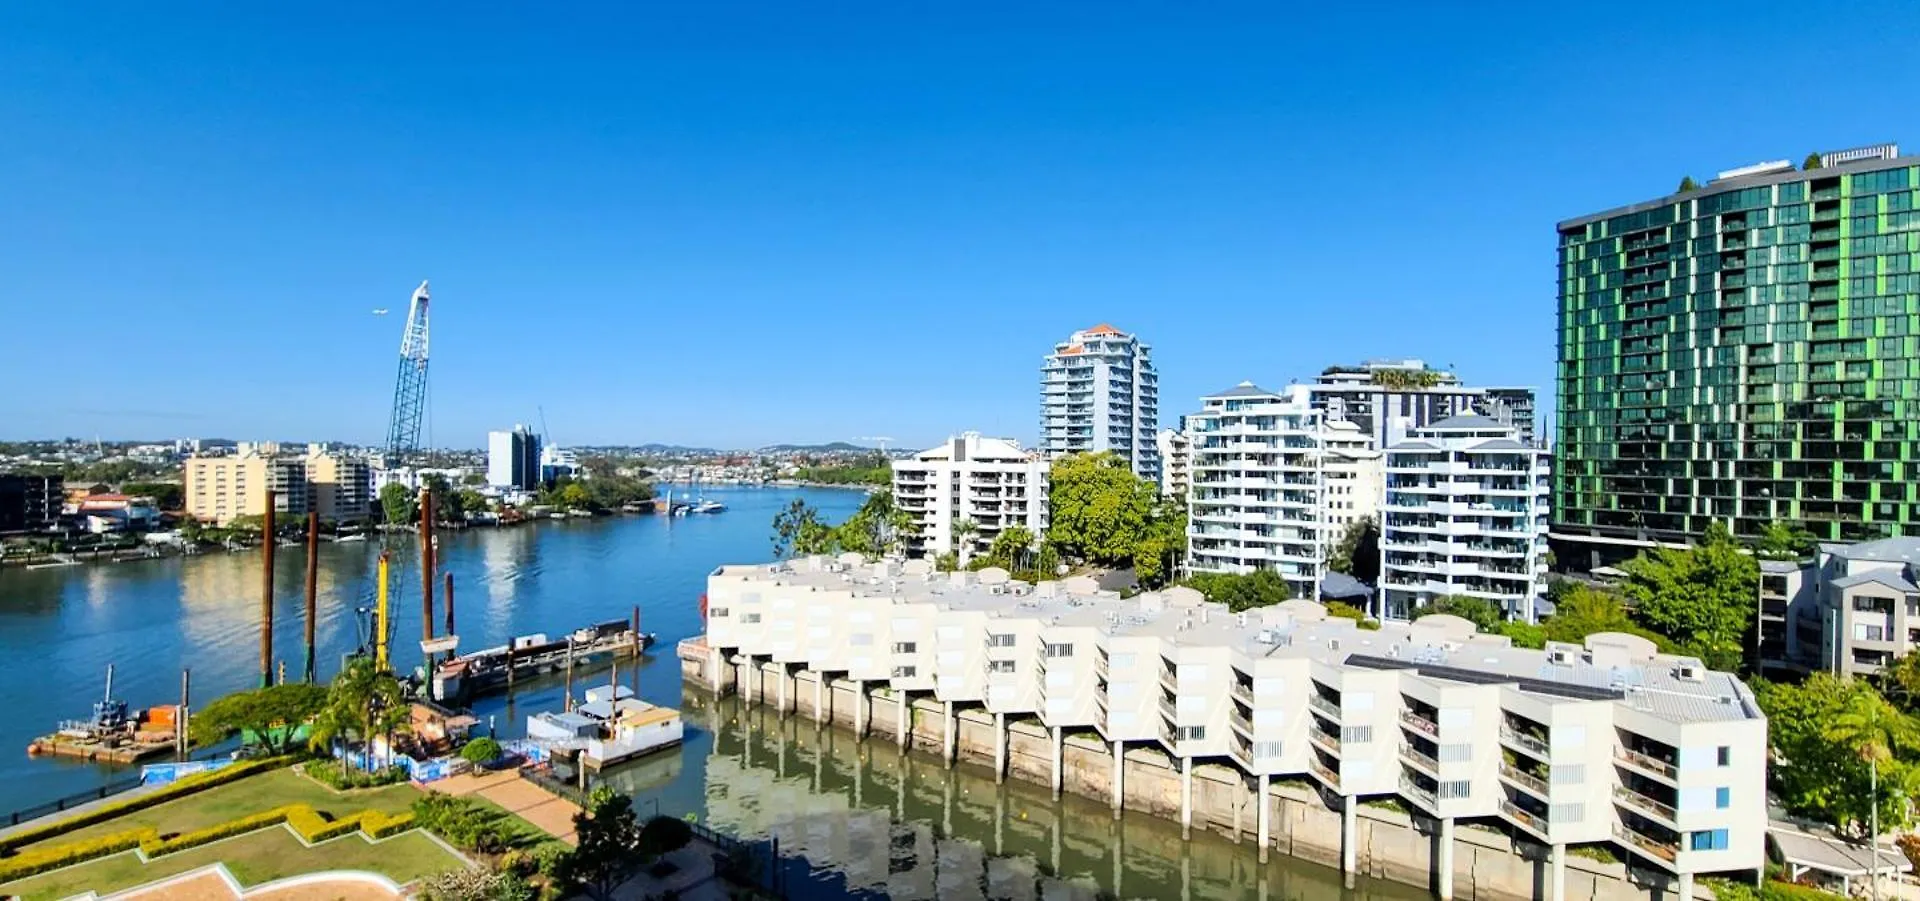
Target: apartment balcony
1324 773
1524 743
1665 852
1241 723
1326 708
1168 712
1326 741
1528 820
1420 761
1651 766
1419 724
1525 782
1243 693
1645 806
1412 791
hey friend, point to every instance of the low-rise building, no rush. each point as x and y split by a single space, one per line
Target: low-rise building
1466 514
1176 461
30 502
219 490
1850 610
965 492
1605 741
342 486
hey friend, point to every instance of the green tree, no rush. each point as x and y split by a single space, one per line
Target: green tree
963 532
1012 549
398 503
664 835
607 842
1836 746
1874 729
1811 163
362 702
1100 510
798 531
1687 184
481 750
1702 597
1485 615
1780 540
1241 591
1523 634
878 528
1158 555
270 715
1582 610
166 495
1900 681
1357 553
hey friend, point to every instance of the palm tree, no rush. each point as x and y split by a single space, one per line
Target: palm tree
1869 723
963 540
362 702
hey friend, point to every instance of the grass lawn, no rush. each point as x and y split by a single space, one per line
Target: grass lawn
250 795
525 835
257 857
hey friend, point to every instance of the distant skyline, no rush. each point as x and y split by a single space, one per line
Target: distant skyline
740 225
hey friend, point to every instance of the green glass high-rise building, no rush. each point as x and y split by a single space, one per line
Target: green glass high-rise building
1743 352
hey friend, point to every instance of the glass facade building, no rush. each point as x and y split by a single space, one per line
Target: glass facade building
1741 353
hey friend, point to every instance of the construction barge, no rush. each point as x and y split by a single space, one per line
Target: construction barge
491 670
114 734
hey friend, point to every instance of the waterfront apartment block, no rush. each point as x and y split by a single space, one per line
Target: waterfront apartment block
1466 514
965 492
1744 352
513 459
1176 461
1098 392
342 486
220 489
1356 477
1851 610
30 502
1385 398
1603 742
1259 496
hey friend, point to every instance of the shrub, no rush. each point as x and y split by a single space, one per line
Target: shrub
335 775
463 822
664 835
550 858
379 825
40 860
482 751
198 782
474 884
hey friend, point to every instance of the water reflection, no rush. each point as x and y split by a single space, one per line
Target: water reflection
910 828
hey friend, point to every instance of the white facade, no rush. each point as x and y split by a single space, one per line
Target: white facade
1606 742
1466 514
1356 477
1386 398
1176 462
1098 392
992 483
513 459
1259 497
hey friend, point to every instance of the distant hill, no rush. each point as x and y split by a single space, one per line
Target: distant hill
662 450
837 447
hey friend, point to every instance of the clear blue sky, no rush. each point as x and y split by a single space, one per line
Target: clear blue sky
734 224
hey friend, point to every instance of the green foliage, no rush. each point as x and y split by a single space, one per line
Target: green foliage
1900 682
1523 634
875 470
1357 553
947 562
193 784
876 529
464 822
1100 510
1823 732
1485 615
1811 163
481 751
1241 591
259 712
1159 551
34 861
1406 379
1780 540
607 837
1582 610
1686 184
1702 597
167 495
664 835
362 702
1343 610
398 504
337 775
798 531
477 884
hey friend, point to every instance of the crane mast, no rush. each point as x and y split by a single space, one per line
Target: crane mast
410 385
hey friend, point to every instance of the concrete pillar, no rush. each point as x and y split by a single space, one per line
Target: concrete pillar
860 702
1186 797
905 721
999 748
1260 815
819 697
951 736
1557 883
1119 775
1686 887
1443 862
713 670
782 684
1349 854
1059 755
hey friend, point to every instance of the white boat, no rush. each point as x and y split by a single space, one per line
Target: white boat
357 536
610 728
707 506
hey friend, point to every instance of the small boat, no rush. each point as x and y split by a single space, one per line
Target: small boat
612 727
707 506
114 734
357 536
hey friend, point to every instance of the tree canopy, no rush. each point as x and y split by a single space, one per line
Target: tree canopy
1701 597
269 715
1811 163
1241 591
1823 733
1687 184
1783 541
1485 615
1357 553
362 702
607 839
1101 512
398 503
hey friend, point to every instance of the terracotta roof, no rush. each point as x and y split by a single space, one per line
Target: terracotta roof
1072 349
1103 329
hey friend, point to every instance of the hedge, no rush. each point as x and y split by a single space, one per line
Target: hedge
196 783
311 825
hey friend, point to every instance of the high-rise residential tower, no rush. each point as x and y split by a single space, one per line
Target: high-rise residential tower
1259 495
1742 352
964 493
513 459
1098 392
1386 398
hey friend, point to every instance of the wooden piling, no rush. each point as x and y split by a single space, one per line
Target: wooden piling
266 593
426 569
313 584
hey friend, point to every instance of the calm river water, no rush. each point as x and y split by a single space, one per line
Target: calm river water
861 818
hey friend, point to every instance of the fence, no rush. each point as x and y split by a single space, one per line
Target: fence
58 804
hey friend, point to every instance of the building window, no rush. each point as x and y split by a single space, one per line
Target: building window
750 618
1000 641
1458 788
1722 798
1709 840
999 666
1059 650
1726 756
717 613
1266 749
1191 733
906 647
905 672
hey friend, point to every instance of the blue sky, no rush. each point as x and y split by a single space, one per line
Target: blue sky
735 224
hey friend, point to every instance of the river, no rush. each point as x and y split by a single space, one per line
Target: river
860 818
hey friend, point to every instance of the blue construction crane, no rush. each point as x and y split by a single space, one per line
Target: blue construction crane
410 386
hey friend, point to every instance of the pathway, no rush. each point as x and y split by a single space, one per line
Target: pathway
553 815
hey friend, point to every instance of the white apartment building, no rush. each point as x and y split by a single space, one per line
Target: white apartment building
1259 496
1385 398
965 492
1356 476
1851 610
1098 392
1602 742
513 459
1176 461
1466 513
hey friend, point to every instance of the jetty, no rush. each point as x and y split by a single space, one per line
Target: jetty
491 670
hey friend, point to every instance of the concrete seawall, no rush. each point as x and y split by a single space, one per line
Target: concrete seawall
1388 844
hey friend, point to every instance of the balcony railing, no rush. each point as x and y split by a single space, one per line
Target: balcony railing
1243 693
1324 706
1413 791
1660 849
1645 762
1525 780
1523 741
1420 760
1419 723
1643 804
1324 772
1321 738
1240 722
1526 818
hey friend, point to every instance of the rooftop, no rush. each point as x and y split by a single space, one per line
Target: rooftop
1886 550
1732 181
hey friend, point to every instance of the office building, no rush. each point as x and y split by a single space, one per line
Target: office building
1466 514
1356 476
1176 461
965 492
1259 497
342 486
1741 353
559 461
1098 392
30 503
1385 398
220 489
513 459
1851 610
1604 742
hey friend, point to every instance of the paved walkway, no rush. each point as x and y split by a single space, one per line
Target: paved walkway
553 815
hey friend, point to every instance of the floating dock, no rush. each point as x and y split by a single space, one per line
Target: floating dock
491 670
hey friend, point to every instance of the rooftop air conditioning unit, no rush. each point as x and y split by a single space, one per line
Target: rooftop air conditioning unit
1560 657
1690 671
